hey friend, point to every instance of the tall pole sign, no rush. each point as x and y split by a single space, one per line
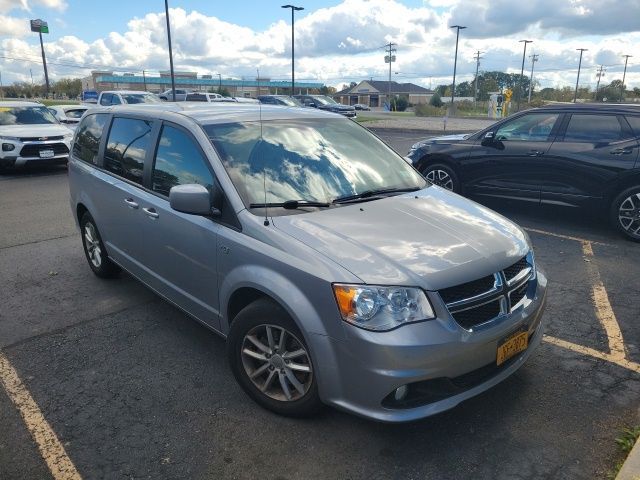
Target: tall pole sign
41 27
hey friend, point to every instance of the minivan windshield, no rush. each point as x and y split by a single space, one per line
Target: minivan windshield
26 116
313 160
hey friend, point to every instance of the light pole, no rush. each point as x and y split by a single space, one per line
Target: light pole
626 59
293 75
534 59
41 27
455 61
524 54
173 79
575 94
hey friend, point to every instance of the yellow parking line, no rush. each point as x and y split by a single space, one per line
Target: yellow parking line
634 367
604 312
51 449
565 237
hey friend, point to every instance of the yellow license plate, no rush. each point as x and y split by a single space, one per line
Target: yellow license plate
513 345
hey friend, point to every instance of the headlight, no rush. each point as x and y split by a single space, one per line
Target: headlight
423 144
381 308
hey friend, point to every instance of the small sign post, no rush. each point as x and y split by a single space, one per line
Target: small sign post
41 27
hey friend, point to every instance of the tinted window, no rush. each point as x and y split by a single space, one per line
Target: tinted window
533 127
88 138
105 99
178 162
594 129
196 97
635 124
126 148
115 99
139 98
76 113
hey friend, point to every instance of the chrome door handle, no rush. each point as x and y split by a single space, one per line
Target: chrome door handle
151 212
535 153
130 203
622 151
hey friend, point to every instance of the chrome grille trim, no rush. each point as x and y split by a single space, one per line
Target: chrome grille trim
497 286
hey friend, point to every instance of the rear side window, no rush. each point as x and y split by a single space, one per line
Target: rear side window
178 162
127 148
105 99
635 124
88 138
595 129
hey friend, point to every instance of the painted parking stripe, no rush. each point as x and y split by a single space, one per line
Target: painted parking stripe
51 450
621 362
566 237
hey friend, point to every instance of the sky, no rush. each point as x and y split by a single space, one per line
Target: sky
337 41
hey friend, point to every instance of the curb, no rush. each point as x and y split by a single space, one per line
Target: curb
631 468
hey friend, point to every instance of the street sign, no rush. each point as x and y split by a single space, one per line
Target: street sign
39 26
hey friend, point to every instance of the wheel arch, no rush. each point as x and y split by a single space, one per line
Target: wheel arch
621 185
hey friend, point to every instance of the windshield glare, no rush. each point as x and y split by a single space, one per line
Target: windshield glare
26 116
314 160
137 98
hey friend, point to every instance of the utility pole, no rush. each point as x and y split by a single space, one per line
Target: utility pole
220 83
455 62
626 59
534 59
599 75
524 54
144 80
477 58
389 58
575 94
173 78
293 75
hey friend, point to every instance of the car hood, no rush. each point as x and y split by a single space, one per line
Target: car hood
450 138
431 238
338 106
46 130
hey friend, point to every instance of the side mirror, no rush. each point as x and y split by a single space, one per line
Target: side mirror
488 139
311 104
192 198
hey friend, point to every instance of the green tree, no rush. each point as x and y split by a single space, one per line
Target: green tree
436 101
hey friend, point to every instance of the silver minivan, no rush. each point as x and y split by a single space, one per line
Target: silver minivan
337 274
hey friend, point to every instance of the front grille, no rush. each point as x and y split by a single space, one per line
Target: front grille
514 270
480 301
40 139
34 150
478 315
468 290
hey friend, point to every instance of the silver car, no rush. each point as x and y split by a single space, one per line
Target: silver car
335 272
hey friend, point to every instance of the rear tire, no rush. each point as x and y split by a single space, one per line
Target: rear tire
94 249
625 213
271 361
443 176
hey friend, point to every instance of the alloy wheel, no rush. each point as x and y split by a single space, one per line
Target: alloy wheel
440 178
277 362
92 244
629 215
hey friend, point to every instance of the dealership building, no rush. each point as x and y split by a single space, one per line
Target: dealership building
101 80
374 93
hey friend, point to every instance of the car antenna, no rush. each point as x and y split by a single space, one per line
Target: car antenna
264 170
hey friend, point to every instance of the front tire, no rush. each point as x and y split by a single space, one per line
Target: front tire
625 213
443 176
271 361
94 249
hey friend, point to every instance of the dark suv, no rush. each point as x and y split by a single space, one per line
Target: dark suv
326 103
574 155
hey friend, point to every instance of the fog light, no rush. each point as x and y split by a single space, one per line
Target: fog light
8 147
400 393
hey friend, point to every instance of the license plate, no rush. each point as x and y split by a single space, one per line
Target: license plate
46 153
512 345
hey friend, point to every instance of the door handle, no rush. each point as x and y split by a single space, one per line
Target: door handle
621 151
535 153
151 212
130 203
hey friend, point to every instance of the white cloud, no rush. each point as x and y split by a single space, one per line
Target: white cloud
344 42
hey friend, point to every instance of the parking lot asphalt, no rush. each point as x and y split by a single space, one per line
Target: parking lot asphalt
109 378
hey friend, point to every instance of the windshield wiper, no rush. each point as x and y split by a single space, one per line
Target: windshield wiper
290 204
373 194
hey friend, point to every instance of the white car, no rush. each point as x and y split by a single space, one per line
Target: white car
30 134
207 97
70 115
121 97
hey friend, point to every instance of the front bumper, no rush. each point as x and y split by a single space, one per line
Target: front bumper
28 152
447 363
